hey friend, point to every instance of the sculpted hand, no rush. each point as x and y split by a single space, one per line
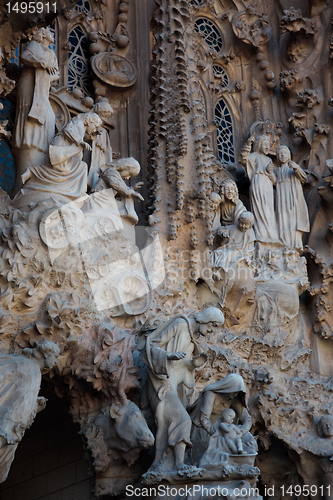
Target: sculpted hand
86 146
251 139
136 195
176 356
269 168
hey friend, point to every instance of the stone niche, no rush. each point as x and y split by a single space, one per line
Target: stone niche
166 268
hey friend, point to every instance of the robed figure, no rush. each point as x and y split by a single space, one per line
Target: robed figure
259 168
35 119
291 209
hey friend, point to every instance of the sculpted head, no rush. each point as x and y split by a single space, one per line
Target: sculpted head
325 426
104 110
92 121
283 154
263 144
228 415
245 221
45 354
209 320
44 36
215 201
229 192
128 167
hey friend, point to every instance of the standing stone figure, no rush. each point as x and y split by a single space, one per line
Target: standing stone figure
35 119
171 354
291 210
259 168
20 379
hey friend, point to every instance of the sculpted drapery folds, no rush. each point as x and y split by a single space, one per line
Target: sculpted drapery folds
172 353
259 168
65 178
20 379
291 210
35 119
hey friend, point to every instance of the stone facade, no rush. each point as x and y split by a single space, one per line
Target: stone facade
166 261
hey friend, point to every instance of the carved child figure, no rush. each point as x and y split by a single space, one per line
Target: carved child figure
236 243
231 433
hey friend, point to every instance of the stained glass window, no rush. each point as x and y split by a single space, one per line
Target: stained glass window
225 136
8 113
7 166
210 33
221 75
83 6
16 58
78 68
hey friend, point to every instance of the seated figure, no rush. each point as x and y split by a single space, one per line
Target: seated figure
65 179
236 245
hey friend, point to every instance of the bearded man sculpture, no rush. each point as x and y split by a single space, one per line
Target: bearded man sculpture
172 353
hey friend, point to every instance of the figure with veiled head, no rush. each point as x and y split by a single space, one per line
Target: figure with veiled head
259 168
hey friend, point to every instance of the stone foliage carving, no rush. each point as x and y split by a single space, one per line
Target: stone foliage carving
69 259
20 379
294 21
251 27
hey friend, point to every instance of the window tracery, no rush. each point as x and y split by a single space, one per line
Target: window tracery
220 73
211 34
225 136
83 6
78 57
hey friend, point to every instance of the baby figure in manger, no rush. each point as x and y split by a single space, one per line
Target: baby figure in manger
227 440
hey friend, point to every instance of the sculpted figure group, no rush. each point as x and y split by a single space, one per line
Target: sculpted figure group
280 215
172 353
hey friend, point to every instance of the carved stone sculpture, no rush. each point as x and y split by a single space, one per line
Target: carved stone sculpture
229 207
101 146
259 168
35 119
237 245
65 178
20 379
172 353
291 210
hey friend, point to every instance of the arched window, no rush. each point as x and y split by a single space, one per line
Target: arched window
211 34
219 73
78 57
7 166
225 136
